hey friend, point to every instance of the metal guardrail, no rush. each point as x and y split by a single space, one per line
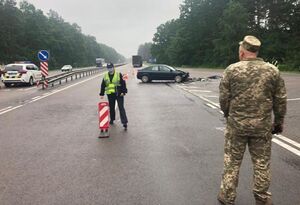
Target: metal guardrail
73 75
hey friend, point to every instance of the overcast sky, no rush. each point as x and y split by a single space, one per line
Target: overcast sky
121 24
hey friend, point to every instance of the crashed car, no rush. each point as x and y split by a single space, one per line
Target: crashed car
161 72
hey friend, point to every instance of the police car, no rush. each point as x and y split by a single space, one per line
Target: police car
21 73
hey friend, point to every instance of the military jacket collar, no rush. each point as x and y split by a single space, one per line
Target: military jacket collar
253 59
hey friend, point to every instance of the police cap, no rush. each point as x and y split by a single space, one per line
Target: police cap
251 43
110 65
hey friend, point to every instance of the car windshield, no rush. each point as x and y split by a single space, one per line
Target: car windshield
13 68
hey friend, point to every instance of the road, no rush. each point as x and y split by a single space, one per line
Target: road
172 153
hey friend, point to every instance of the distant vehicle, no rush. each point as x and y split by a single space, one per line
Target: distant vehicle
137 61
161 72
67 68
100 62
21 73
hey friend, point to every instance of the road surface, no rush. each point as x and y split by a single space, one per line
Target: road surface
172 153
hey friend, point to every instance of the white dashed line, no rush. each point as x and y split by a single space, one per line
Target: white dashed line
294 99
35 97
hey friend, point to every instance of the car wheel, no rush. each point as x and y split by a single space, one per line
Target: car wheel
145 79
31 81
7 85
178 78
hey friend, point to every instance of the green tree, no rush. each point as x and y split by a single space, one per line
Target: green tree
26 30
144 50
232 25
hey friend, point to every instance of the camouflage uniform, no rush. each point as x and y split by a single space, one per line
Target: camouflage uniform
249 91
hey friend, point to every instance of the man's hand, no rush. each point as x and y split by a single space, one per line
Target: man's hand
122 94
277 129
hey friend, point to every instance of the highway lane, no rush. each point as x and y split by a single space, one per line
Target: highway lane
171 154
22 94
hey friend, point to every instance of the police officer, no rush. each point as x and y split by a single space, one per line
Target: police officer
250 91
114 87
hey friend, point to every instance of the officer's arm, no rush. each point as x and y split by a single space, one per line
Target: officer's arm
123 84
224 97
279 101
102 90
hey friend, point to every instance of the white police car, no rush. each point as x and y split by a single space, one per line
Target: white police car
21 73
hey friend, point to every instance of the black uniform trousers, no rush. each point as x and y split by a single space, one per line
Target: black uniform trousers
112 98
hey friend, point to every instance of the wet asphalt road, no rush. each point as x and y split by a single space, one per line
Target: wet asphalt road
172 153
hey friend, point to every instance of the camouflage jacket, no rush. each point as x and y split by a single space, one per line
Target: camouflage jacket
249 91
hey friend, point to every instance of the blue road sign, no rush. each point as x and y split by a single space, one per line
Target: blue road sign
43 55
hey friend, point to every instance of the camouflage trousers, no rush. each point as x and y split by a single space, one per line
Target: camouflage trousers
260 151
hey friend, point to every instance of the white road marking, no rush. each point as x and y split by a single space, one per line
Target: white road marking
286 146
209 101
201 91
5 108
292 142
35 97
11 109
278 141
294 99
222 129
188 86
49 94
210 96
210 105
203 98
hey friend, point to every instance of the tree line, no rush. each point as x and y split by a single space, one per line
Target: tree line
25 30
207 32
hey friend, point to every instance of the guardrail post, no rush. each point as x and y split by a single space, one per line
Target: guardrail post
66 79
60 82
71 77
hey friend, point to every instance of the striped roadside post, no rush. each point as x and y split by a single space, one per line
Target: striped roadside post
44 56
103 111
44 69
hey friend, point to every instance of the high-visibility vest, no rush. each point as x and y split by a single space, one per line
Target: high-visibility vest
110 87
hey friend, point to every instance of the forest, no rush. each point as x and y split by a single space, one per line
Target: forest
24 30
207 32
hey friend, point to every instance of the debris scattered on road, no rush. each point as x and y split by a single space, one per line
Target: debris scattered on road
189 80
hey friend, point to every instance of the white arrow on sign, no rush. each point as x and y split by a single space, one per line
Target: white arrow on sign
43 55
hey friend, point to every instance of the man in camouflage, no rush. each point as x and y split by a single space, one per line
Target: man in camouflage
249 91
